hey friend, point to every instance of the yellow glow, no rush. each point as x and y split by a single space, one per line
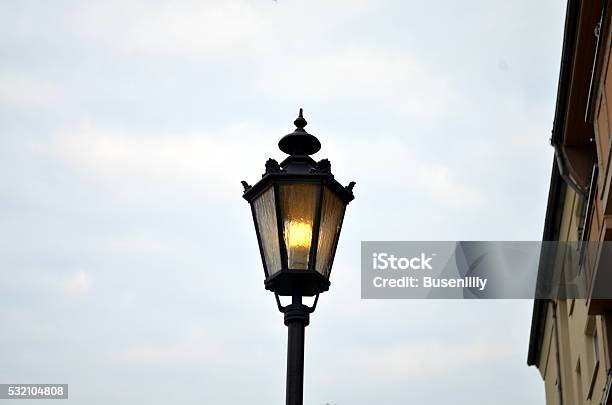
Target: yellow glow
298 234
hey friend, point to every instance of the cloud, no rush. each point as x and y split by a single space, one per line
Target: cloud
28 92
432 360
189 28
404 171
211 28
201 162
198 162
396 79
78 284
195 349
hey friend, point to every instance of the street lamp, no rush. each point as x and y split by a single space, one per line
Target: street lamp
297 208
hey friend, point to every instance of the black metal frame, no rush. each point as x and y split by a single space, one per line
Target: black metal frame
283 308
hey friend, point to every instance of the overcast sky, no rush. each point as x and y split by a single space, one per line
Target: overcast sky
129 266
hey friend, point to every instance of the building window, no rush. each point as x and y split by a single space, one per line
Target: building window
594 358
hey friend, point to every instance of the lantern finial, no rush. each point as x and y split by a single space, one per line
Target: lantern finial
300 122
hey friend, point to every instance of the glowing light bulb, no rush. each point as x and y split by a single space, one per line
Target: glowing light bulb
298 234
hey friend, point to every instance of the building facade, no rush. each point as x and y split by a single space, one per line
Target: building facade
570 338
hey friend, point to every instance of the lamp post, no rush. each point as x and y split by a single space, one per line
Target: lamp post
297 208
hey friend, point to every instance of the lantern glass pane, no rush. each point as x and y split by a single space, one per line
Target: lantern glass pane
298 204
265 211
332 211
